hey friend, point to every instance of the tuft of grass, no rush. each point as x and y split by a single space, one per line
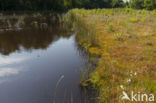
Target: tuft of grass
110 28
133 19
154 11
143 19
120 36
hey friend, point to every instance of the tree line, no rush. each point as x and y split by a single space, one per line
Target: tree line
142 4
62 5
56 5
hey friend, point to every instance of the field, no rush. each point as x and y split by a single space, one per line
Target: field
122 45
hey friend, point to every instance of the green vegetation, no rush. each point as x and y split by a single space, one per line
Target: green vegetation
124 42
64 5
134 19
143 4
56 5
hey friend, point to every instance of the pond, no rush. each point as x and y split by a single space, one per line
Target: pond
40 62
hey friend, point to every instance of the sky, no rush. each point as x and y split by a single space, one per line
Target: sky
125 0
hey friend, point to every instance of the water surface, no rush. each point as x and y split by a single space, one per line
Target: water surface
39 63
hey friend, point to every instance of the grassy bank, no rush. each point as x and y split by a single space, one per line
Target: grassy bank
122 43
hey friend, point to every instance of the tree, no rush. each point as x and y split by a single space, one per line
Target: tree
137 4
150 4
56 5
143 4
117 3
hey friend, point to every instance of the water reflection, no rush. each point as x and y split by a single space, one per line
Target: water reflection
35 33
45 51
10 60
9 71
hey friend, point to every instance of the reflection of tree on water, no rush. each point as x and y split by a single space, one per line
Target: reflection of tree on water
30 38
26 21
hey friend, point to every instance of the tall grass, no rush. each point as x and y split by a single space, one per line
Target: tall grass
84 32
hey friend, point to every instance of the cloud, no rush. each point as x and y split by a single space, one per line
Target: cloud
9 71
10 60
5 73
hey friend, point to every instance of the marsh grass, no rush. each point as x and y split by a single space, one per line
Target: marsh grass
84 30
126 56
134 19
85 76
120 36
110 28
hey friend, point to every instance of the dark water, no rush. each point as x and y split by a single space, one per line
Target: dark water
40 62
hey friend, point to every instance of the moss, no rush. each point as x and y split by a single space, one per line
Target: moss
125 45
